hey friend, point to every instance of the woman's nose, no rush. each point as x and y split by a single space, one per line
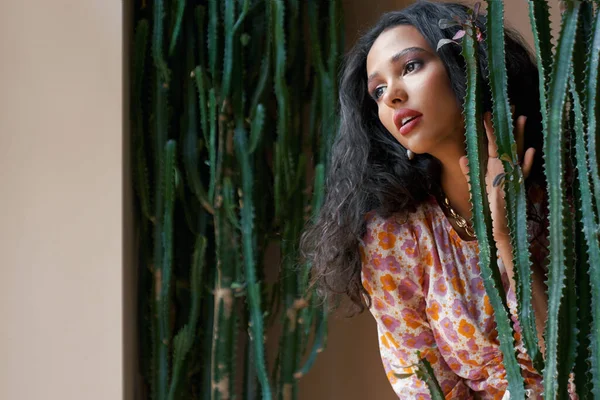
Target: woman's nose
395 93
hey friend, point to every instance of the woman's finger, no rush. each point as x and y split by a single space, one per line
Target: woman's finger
528 161
520 135
463 162
489 130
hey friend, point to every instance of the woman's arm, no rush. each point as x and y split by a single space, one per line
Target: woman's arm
394 277
401 335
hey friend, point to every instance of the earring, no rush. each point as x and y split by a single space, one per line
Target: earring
409 154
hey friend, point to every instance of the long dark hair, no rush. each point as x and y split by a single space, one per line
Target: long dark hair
369 169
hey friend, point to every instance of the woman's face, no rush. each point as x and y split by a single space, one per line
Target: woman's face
413 93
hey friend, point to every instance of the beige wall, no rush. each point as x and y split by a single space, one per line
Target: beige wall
61 212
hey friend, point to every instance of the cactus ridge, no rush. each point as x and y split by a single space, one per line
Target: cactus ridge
481 217
539 13
157 43
190 149
554 173
567 330
256 129
229 36
253 288
570 318
587 171
426 374
177 27
163 296
212 144
229 202
592 111
265 64
213 40
185 337
318 343
514 185
199 79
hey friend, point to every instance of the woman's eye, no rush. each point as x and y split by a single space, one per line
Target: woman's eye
378 92
409 67
412 66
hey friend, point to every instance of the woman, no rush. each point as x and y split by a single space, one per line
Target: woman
394 233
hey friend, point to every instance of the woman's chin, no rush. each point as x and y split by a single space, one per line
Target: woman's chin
417 149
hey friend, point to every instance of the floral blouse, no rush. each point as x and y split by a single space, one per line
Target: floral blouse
427 294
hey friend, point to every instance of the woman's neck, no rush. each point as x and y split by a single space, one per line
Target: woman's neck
453 181
456 189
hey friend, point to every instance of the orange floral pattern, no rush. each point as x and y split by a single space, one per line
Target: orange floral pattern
428 295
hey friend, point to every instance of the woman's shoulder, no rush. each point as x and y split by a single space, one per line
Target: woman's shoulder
391 250
407 218
384 232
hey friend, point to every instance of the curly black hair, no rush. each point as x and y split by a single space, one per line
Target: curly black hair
369 169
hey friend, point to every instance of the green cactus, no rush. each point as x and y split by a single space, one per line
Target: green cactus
592 113
587 170
220 176
553 142
567 272
573 270
481 214
185 337
567 320
425 373
514 184
539 13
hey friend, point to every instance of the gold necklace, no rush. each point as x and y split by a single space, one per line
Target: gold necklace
460 221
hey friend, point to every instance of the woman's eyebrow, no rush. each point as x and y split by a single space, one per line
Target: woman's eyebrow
397 57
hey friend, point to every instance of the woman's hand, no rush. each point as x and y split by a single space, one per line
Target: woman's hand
500 224
494 169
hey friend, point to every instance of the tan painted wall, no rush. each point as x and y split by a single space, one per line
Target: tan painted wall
61 212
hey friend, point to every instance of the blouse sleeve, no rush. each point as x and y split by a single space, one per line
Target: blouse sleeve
394 277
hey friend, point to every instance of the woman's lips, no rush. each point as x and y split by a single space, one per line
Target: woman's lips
409 126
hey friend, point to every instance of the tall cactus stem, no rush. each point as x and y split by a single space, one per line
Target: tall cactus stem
514 185
190 148
185 337
553 139
248 245
592 111
177 27
213 40
482 220
589 215
157 43
164 283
